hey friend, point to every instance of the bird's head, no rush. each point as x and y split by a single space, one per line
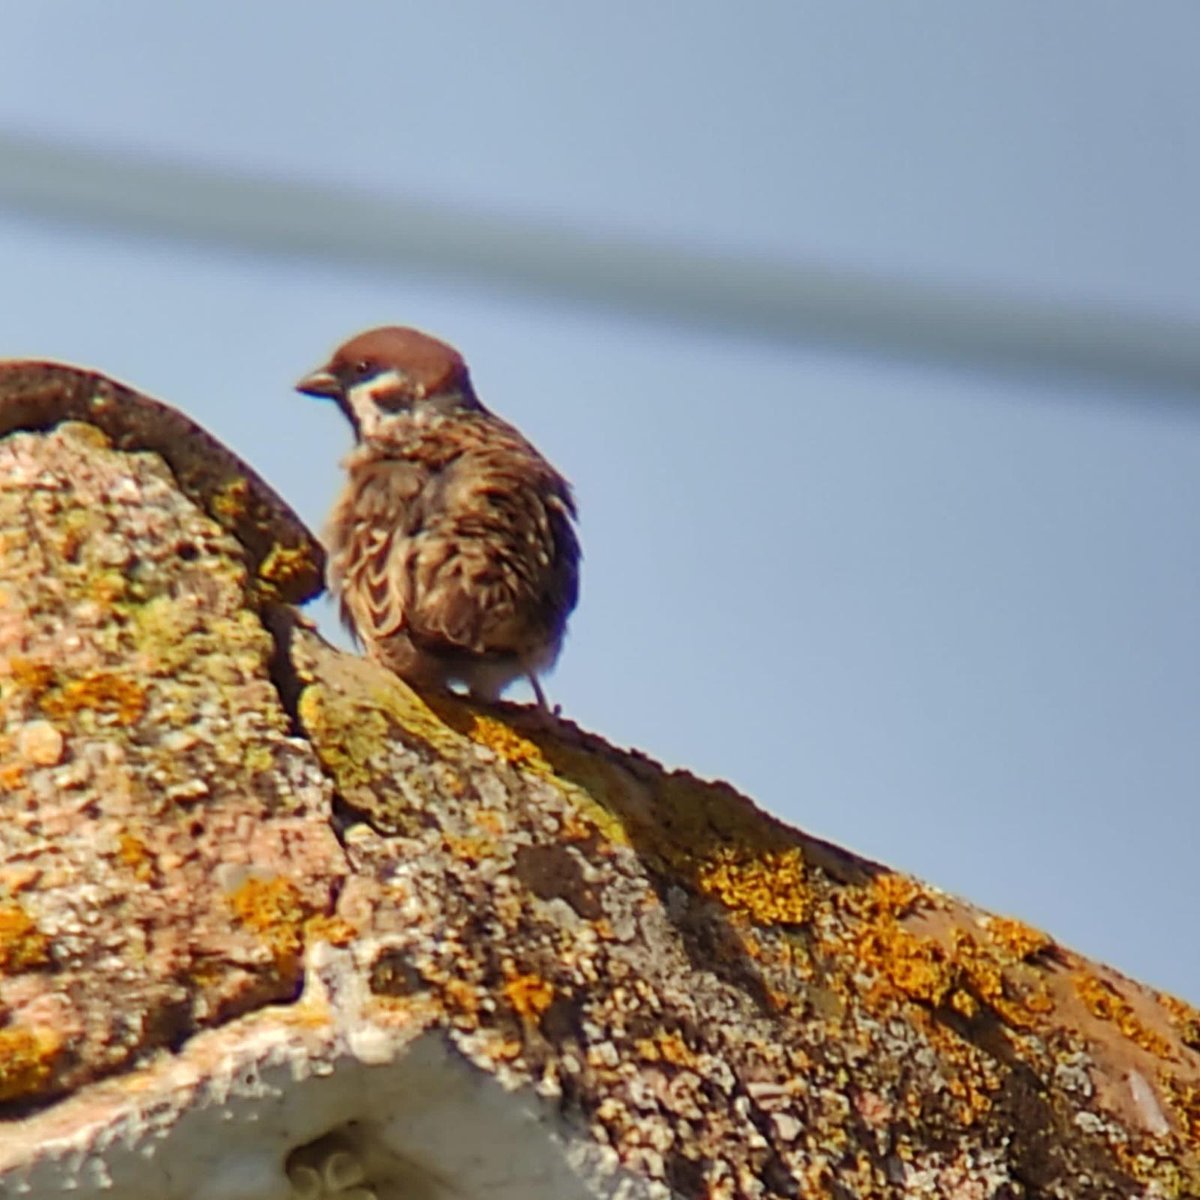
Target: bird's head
389 371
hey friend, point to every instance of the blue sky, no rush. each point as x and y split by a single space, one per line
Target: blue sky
945 618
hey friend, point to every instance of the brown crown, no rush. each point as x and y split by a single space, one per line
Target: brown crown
428 363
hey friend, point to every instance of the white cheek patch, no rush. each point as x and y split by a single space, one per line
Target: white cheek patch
363 399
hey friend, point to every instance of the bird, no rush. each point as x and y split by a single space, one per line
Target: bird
452 547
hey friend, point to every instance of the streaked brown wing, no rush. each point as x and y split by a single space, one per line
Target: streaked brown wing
459 541
369 534
493 569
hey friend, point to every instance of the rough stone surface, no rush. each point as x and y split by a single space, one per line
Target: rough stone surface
234 860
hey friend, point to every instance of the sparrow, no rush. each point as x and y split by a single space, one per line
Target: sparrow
452 548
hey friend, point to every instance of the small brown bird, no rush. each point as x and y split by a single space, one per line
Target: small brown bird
451 548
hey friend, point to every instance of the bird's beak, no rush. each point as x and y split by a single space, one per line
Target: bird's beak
321 382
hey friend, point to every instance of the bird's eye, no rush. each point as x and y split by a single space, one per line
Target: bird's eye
362 368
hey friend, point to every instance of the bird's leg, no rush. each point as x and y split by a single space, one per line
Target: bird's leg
543 706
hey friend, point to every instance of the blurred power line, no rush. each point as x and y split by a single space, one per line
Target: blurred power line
763 297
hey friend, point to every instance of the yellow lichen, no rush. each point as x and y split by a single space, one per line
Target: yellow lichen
345 740
350 735
230 502
283 565
601 791
162 627
1105 1002
23 946
73 531
107 587
27 1058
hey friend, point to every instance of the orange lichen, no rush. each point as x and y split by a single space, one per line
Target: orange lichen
23 946
964 1003
132 851
101 691
274 909
486 730
903 962
666 1046
576 829
955 968
30 674
469 849
107 588
1184 1098
332 929
892 894
506 742
530 995
974 1102
1171 1180
1020 940
1183 1017
27 1058
461 996
1039 1001
915 966
983 974
506 1049
489 820
768 886
1105 1002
